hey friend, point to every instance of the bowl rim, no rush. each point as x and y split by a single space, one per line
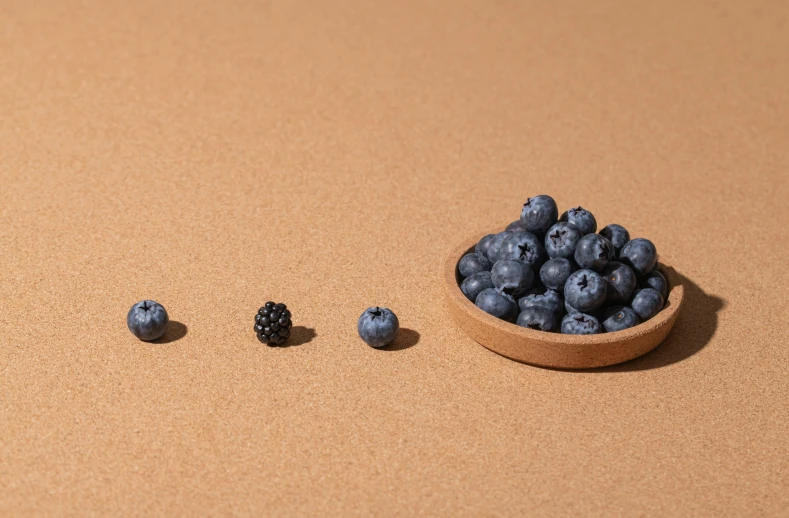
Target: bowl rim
665 316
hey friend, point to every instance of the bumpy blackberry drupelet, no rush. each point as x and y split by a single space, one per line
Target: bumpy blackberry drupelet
273 324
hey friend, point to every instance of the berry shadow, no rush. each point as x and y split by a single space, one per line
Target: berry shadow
406 338
693 330
175 331
300 335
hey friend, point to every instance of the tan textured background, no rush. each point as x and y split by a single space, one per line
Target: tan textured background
213 155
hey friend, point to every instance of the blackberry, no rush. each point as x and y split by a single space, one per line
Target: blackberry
273 324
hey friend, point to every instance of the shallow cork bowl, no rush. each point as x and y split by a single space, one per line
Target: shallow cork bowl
554 349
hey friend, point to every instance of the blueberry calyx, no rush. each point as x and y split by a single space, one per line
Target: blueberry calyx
583 283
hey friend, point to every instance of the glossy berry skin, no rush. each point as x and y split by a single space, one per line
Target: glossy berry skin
515 226
647 303
147 320
472 263
378 327
524 246
475 284
617 318
593 252
655 280
640 254
273 324
537 317
512 276
580 218
617 234
539 214
562 240
482 246
550 300
621 282
494 246
585 290
555 272
580 324
498 304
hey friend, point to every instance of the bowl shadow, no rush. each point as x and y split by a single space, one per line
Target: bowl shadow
406 338
693 330
175 331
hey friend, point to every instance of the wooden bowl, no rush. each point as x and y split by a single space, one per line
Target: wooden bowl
554 349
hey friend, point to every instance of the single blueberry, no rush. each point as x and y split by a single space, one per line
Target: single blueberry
621 282
617 318
597 313
475 284
482 246
537 317
647 303
580 324
539 213
585 290
550 300
494 247
498 304
562 240
512 276
593 252
147 320
639 254
617 234
655 280
555 272
515 226
580 218
378 326
523 246
472 263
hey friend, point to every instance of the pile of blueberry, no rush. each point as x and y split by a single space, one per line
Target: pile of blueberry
555 273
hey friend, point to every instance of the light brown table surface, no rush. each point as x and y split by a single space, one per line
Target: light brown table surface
214 155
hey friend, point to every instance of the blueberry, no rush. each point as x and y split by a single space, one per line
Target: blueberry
580 324
498 304
515 226
580 218
639 254
472 263
647 303
512 276
537 317
617 318
555 272
539 213
494 246
593 252
525 247
585 290
474 284
593 312
482 246
378 327
550 300
621 282
147 320
655 279
617 234
562 240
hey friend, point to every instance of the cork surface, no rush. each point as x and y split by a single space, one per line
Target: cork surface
214 155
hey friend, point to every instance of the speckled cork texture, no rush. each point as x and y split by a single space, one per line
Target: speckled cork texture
212 156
